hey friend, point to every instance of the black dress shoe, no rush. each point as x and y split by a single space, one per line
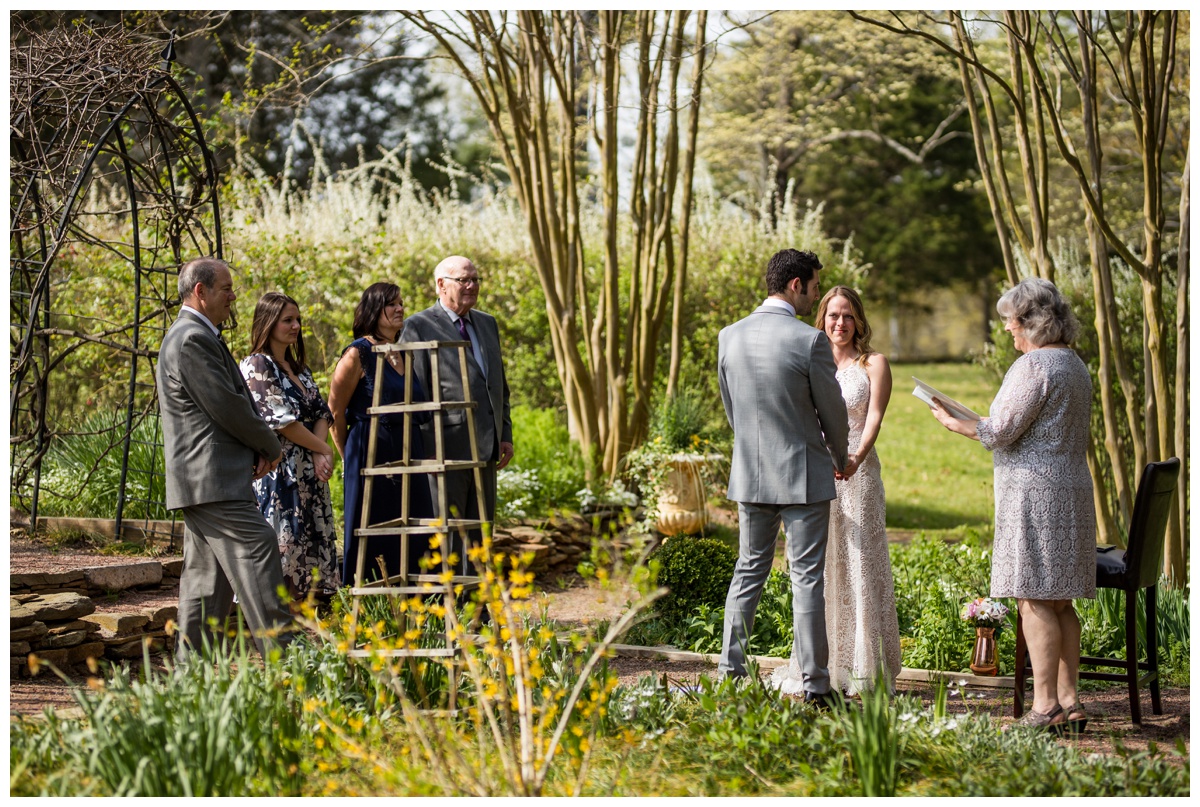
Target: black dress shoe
821 700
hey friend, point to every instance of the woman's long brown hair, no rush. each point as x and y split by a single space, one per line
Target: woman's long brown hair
267 313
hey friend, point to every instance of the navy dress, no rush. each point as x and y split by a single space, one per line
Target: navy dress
386 498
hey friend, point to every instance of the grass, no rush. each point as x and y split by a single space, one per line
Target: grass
935 480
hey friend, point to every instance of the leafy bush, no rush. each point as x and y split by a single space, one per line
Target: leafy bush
933 578
547 470
696 571
681 422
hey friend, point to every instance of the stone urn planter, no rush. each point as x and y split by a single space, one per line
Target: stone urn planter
682 504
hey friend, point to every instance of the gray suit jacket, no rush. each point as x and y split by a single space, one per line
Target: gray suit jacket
212 433
493 423
782 398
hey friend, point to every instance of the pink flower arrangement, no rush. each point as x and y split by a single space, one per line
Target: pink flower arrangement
984 612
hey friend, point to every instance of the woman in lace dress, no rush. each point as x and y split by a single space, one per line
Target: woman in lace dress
378 319
1044 552
860 601
294 497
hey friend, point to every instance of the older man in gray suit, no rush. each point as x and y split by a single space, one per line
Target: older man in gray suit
453 318
215 444
781 395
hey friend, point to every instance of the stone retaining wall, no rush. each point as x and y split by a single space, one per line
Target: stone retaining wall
64 629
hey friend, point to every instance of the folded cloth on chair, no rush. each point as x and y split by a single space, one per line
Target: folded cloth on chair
1109 563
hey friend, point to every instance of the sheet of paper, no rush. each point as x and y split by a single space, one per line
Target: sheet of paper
927 393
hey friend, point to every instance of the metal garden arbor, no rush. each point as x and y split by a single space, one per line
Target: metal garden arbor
112 186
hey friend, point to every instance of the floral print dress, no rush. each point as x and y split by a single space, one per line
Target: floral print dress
294 501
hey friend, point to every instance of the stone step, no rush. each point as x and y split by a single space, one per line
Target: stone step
107 578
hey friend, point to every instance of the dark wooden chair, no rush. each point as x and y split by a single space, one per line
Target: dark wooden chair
1138 567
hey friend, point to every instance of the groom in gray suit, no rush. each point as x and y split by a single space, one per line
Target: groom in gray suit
790 428
215 443
453 318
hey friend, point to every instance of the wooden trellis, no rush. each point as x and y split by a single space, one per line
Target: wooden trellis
403 584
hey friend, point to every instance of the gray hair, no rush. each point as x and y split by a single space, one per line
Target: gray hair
199 270
1042 311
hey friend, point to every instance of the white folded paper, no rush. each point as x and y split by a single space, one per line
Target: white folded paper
927 393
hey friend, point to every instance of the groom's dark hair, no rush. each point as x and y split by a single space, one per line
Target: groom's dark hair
787 264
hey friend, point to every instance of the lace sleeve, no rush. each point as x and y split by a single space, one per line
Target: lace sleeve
1017 405
262 377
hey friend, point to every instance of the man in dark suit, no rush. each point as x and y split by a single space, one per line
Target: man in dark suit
790 430
454 319
215 444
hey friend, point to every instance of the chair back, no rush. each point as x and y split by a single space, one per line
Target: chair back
1148 526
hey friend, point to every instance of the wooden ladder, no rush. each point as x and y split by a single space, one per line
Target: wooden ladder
402 583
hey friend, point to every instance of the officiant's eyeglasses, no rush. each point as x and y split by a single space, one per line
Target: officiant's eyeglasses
466 281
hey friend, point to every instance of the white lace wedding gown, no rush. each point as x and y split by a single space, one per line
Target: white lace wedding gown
860 600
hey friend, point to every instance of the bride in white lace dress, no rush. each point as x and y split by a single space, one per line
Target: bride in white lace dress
860 600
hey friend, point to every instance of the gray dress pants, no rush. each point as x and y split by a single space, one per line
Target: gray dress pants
229 547
807 529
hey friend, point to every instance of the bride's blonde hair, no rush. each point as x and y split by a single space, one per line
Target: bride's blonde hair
862 329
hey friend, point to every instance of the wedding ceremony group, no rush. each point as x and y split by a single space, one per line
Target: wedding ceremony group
571 403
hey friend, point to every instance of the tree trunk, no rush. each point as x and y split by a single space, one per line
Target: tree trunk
527 77
689 173
1176 551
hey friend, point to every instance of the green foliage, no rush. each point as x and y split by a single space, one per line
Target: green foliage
229 728
933 578
1024 764
682 421
876 741
696 571
788 114
753 736
700 630
81 472
547 471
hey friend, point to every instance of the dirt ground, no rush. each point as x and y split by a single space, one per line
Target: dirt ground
574 603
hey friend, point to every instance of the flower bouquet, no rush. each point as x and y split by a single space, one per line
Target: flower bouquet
984 612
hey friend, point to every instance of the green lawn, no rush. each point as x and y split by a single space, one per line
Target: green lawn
934 479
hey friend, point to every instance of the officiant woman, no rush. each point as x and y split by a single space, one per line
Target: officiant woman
1045 542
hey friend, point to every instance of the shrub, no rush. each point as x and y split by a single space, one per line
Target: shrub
697 571
547 470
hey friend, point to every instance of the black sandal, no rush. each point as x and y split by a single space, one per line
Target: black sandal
1076 725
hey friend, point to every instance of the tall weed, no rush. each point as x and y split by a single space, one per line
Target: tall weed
876 742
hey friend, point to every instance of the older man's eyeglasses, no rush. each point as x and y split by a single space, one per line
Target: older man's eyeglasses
466 281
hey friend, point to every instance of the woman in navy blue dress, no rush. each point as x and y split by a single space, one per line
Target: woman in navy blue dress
378 319
294 498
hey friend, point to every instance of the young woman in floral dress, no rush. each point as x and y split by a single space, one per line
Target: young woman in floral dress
294 497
